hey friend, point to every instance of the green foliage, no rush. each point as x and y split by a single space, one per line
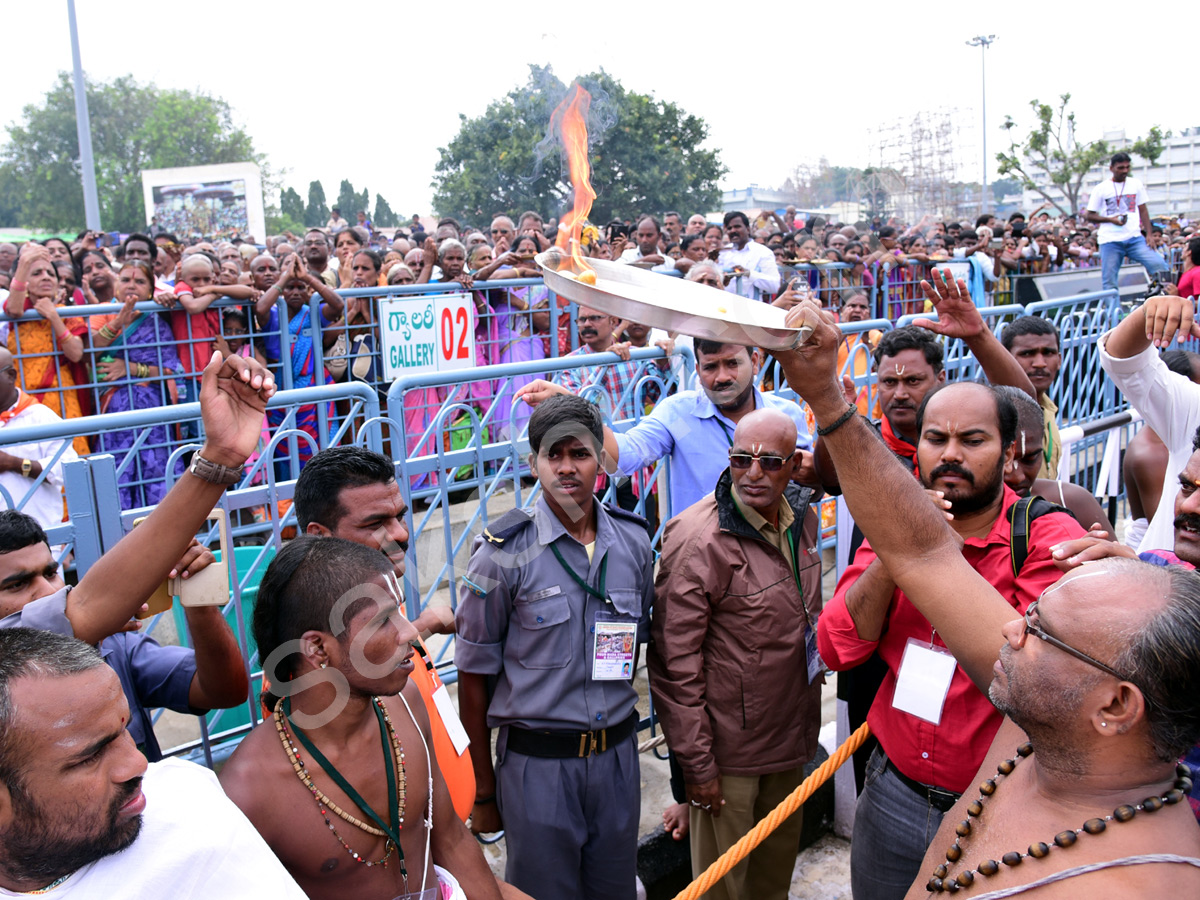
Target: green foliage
134 127
384 217
645 156
282 222
1003 187
1050 148
1151 147
347 201
316 213
291 205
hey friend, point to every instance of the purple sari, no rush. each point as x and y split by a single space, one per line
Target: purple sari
148 341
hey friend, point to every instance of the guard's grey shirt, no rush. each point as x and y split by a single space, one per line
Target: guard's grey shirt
533 626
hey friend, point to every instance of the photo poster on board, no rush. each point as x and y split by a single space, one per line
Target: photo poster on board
217 201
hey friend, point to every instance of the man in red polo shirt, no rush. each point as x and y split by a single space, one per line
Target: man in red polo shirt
933 724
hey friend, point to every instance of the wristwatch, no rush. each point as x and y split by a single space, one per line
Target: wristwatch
27 468
214 472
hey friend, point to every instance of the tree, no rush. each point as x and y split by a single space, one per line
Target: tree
1051 151
347 201
291 205
1003 187
384 217
134 127
316 213
645 156
1151 147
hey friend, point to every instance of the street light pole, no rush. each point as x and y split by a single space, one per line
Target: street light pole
983 41
83 127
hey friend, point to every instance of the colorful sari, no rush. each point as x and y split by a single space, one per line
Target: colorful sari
41 369
148 340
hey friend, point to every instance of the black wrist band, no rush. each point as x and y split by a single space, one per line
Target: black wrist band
841 420
483 801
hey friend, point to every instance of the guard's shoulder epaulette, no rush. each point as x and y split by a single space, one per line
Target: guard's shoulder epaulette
617 513
507 525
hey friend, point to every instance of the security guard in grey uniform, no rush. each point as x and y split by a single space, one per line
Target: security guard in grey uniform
551 612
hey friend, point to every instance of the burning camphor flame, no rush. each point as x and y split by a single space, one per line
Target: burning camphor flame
570 121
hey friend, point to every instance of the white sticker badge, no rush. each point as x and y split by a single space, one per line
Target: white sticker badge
923 681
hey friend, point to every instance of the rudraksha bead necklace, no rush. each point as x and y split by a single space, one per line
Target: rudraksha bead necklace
941 882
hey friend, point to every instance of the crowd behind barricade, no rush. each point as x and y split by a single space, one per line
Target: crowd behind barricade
957 491
93 333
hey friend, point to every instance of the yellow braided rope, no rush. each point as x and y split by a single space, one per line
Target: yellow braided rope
774 819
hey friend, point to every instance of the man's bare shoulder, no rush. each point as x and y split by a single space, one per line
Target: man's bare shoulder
252 775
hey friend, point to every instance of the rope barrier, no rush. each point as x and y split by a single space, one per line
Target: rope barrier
774 819
650 743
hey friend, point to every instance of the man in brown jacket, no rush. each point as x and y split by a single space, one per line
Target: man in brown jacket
734 670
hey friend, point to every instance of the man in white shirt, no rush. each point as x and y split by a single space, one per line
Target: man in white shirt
1168 402
31 477
82 814
645 253
1112 206
336 223
750 268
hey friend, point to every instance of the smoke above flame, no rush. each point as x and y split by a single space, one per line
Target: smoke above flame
569 123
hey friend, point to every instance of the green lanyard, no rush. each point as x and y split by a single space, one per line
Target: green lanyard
1049 450
725 428
598 594
389 765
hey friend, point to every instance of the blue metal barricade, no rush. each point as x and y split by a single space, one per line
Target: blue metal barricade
488 466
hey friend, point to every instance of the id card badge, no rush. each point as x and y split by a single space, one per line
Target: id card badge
816 666
923 681
613 647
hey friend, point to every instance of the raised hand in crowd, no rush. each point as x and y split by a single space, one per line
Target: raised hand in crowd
18 288
958 317
233 395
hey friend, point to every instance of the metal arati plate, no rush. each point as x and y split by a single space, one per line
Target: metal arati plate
673 304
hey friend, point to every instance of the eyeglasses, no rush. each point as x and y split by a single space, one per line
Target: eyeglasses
767 463
1032 627
588 320
8 369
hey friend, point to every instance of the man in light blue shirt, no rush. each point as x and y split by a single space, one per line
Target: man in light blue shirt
694 429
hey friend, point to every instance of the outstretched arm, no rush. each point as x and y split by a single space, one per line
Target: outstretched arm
958 317
908 532
233 398
1154 322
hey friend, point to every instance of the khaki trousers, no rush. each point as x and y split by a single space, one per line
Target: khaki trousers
767 873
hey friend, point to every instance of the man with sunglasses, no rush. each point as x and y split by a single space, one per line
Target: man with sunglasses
1106 707
734 671
933 738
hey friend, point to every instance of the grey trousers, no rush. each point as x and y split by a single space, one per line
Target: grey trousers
571 825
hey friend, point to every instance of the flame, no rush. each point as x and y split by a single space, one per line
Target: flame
570 121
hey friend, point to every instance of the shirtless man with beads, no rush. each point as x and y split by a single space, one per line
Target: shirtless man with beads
1079 792
341 781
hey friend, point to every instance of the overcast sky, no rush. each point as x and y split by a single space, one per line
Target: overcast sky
837 73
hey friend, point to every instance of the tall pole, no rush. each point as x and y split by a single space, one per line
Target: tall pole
83 126
983 41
